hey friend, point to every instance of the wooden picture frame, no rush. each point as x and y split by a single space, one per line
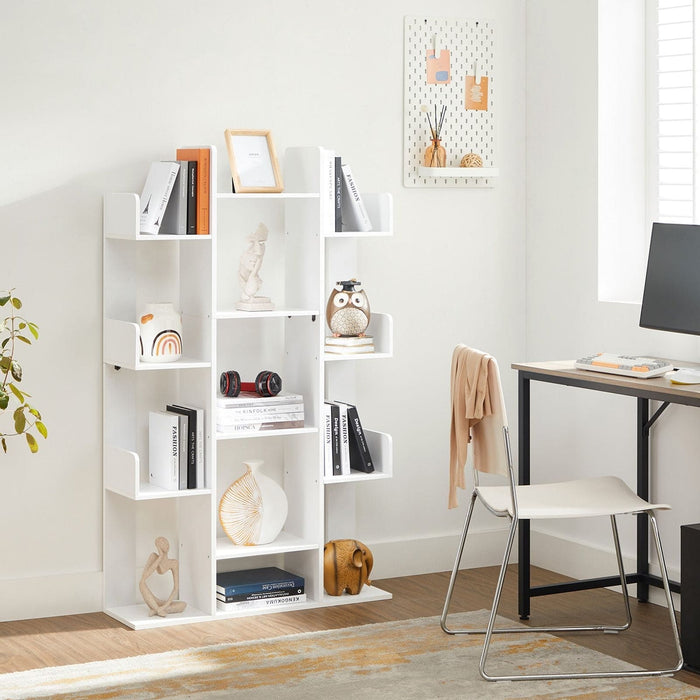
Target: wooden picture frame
253 161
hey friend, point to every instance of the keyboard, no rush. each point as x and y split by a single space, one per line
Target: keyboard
627 365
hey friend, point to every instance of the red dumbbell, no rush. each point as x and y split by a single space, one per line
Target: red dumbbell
266 383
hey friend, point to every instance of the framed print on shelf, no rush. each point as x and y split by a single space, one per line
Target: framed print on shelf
254 167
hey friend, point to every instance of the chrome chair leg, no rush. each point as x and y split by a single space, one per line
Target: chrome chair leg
623 580
455 568
667 590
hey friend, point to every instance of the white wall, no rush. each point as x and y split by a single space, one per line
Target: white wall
575 431
93 92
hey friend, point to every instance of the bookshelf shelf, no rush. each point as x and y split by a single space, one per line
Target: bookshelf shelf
285 542
303 258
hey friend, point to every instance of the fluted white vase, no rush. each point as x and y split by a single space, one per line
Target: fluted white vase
253 509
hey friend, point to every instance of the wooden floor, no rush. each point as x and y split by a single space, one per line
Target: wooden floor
80 638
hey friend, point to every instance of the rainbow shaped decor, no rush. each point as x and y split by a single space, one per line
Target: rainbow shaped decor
160 327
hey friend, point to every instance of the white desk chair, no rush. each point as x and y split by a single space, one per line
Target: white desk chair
602 496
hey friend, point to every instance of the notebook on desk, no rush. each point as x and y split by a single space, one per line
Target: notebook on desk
626 365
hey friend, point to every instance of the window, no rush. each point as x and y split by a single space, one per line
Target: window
677 191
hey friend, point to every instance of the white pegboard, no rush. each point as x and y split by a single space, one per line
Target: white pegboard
470 43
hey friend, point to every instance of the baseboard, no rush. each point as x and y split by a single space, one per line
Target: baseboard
48 596
425 555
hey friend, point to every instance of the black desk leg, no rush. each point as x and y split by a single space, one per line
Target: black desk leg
523 478
643 492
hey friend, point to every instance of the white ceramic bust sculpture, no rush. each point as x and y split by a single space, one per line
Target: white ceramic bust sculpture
249 273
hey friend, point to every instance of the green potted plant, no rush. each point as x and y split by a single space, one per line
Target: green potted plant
15 329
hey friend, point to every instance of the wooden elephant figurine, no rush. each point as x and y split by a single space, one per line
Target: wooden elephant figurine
346 566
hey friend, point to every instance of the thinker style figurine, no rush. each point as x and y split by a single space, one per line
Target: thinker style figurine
249 273
159 562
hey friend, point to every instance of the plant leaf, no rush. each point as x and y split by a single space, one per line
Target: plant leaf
33 329
4 400
4 445
16 303
20 420
16 371
16 392
24 339
31 441
5 364
4 300
41 428
34 412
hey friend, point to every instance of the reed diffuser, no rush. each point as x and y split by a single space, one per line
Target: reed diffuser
435 153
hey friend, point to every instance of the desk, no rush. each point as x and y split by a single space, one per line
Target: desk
644 390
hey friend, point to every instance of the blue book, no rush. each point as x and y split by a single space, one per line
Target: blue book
261 580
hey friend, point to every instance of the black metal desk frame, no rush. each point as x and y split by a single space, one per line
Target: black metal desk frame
644 393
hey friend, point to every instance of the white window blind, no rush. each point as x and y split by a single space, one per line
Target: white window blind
678 199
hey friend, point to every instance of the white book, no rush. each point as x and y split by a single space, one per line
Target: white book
327 441
355 217
349 349
250 398
244 413
225 416
344 440
175 217
156 193
349 340
164 449
260 603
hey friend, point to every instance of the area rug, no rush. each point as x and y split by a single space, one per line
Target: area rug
411 659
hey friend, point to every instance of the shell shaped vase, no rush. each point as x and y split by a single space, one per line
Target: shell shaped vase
254 508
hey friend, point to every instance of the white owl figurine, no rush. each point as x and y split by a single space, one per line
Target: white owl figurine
347 311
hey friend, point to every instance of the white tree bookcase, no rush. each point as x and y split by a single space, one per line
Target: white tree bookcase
199 274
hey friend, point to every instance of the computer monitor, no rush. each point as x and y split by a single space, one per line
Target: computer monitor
671 299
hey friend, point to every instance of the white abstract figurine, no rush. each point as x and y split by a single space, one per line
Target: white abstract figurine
158 562
248 273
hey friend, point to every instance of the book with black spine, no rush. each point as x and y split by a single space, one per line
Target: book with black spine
360 457
175 217
335 439
355 217
155 195
327 440
338 193
164 450
190 415
191 197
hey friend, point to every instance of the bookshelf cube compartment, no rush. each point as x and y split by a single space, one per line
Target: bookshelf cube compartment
131 528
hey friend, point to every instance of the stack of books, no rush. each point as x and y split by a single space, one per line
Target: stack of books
345 444
251 413
258 588
175 198
351 345
176 448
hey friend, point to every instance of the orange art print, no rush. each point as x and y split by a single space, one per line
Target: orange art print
476 96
